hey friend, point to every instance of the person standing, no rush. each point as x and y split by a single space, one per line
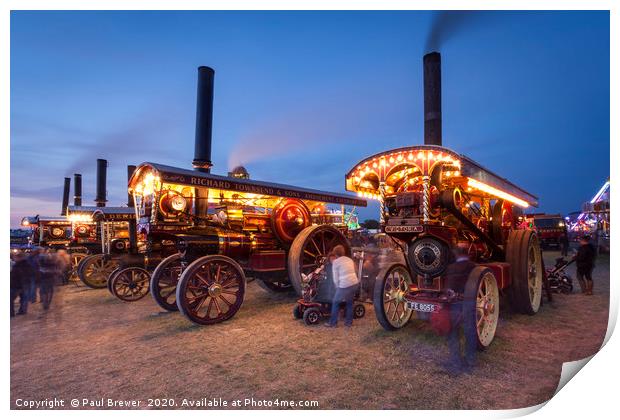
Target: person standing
21 278
586 255
64 261
50 271
32 283
564 244
456 276
346 282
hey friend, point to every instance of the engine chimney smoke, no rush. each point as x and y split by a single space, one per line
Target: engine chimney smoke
102 168
432 99
130 171
204 120
77 198
65 196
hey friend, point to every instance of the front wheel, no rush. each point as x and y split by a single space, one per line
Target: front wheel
76 258
94 270
481 306
163 285
389 297
211 290
130 284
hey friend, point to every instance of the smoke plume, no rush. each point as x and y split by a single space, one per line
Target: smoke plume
446 24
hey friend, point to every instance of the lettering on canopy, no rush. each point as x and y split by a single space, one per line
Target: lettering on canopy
249 187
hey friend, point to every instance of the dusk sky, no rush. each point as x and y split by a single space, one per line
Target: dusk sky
301 97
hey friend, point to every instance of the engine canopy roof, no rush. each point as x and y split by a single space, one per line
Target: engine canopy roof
394 167
172 175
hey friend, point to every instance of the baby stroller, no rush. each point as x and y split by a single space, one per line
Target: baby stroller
316 301
559 281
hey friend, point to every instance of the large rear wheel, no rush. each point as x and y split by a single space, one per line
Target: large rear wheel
211 290
94 270
526 270
389 297
309 252
163 284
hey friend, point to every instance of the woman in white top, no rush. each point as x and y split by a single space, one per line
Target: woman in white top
346 281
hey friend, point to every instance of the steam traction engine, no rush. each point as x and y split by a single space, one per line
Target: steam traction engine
110 230
432 199
54 232
226 228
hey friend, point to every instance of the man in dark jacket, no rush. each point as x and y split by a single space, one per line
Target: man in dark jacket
586 255
21 278
456 276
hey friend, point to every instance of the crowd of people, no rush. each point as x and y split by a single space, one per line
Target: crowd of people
34 275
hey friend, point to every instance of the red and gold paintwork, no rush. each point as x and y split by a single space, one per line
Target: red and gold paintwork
251 221
411 184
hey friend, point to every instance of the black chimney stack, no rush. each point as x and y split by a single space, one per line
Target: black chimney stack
130 171
204 120
133 235
65 197
102 168
77 198
432 99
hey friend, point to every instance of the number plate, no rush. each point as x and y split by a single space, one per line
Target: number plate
423 307
405 229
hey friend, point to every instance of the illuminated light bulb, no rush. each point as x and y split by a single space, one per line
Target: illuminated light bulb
400 158
496 192
360 194
420 155
374 165
410 157
430 156
382 162
457 173
440 156
391 159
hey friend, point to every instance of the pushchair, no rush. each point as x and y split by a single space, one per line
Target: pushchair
316 301
559 281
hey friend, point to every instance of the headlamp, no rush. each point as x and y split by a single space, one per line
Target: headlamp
178 203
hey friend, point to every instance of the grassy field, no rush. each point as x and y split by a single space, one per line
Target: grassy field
91 345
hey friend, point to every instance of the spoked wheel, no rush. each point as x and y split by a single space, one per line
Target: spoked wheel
131 284
211 290
164 281
523 254
111 279
481 306
277 284
309 252
75 258
389 297
94 270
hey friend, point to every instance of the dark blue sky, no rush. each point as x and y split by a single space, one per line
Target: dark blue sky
300 97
